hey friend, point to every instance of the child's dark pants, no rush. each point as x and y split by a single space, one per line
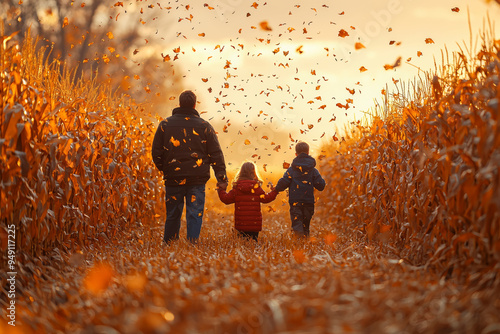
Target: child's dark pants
301 215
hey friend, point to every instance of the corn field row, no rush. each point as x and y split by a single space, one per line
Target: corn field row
425 179
74 157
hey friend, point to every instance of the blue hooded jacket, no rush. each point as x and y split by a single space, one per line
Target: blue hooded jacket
301 178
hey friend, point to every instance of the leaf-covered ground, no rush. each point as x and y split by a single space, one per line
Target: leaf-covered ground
329 283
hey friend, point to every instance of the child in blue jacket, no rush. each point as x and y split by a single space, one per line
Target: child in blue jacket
301 178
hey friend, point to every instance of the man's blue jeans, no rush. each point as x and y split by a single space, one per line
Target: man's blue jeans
195 202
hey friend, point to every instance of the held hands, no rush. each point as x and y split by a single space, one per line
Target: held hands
222 185
270 186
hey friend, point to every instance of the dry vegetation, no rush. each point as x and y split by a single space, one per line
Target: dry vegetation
426 179
405 239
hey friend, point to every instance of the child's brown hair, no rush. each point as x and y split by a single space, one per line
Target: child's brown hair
247 171
302 147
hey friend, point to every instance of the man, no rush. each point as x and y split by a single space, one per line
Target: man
184 148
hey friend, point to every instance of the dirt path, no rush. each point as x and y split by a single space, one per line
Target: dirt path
225 285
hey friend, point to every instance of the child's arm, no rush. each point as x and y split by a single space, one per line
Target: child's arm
284 182
226 198
269 197
318 182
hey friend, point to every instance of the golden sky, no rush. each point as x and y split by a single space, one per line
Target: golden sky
267 72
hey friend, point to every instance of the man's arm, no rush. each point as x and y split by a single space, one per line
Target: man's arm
215 154
158 150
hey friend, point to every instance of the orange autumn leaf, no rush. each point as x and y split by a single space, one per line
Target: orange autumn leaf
330 238
119 3
419 53
255 5
397 63
204 79
98 278
455 9
429 41
247 142
136 282
265 26
343 33
299 256
65 22
362 69
286 165
175 142
358 46
110 35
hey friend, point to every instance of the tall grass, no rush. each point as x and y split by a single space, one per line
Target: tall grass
74 157
423 176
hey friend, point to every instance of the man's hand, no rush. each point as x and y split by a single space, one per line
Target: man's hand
270 185
222 185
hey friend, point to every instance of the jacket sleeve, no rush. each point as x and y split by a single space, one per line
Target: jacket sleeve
318 182
269 197
226 198
284 182
158 151
215 155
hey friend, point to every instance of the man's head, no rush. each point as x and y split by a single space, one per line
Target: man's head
187 99
301 147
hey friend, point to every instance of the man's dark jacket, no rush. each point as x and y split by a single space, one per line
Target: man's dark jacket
301 179
185 146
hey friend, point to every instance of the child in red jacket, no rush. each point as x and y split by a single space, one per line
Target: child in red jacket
247 194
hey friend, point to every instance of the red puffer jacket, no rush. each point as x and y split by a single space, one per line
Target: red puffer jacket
247 196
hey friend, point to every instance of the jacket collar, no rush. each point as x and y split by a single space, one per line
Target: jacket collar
185 111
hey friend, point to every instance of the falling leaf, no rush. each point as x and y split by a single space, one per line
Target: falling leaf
247 142
118 4
397 63
175 142
358 46
65 22
419 53
98 278
265 26
255 5
362 69
110 35
429 41
286 165
343 33
455 9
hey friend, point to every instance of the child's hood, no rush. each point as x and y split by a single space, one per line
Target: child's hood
247 186
303 162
